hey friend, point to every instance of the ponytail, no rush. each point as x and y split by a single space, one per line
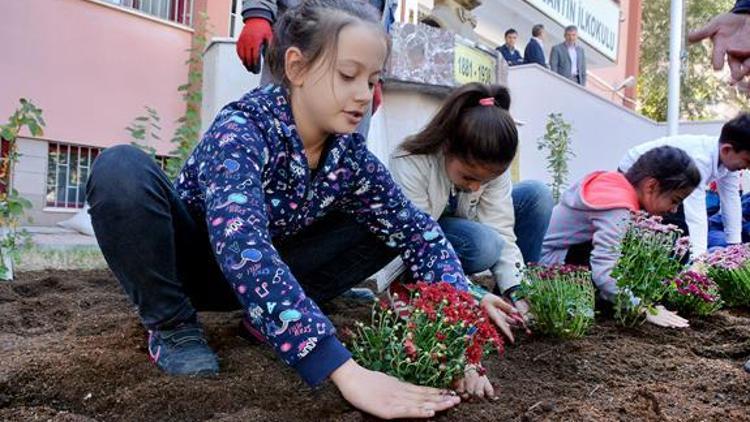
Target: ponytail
473 124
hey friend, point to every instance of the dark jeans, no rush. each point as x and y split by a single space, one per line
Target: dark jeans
532 206
162 257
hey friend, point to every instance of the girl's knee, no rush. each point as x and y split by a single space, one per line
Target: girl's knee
494 244
488 244
119 175
536 199
120 163
541 195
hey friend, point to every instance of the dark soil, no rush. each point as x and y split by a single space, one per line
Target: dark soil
72 350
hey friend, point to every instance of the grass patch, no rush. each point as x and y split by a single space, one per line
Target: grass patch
35 258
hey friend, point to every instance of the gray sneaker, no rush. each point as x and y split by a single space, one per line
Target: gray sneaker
182 351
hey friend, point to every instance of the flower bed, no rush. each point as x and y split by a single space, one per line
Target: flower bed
74 350
730 268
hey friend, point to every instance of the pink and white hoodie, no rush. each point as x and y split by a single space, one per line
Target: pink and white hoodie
594 210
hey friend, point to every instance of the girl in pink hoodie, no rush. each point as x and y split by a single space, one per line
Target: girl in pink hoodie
587 225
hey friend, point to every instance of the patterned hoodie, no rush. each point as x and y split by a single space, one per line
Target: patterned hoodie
594 210
249 180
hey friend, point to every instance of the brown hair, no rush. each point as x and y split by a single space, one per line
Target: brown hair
467 129
736 133
671 167
314 27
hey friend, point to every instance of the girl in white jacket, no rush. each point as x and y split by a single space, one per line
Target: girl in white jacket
457 170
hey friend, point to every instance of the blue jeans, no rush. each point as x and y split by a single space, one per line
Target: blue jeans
478 246
161 254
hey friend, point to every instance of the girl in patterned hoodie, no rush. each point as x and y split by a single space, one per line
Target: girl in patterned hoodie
587 224
279 207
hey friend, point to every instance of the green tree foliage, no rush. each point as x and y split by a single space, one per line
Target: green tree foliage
701 87
13 206
188 132
145 130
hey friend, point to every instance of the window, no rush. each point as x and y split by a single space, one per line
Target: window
68 169
178 11
235 19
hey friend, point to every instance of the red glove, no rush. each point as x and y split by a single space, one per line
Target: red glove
255 35
377 96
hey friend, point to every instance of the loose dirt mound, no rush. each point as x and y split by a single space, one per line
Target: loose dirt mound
73 350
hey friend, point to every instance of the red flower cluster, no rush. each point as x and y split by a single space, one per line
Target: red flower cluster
425 334
442 301
409 348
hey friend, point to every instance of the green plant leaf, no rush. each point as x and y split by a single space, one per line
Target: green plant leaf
34 128
7 134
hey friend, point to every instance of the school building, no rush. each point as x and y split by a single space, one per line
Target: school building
609 31
94 65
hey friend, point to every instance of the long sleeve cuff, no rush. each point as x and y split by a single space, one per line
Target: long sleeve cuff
734 237
477 292
257 13
507 279
507 276
322 361
742 6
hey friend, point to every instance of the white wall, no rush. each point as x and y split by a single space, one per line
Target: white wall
712 128
225 79
603 131
402 113
30 175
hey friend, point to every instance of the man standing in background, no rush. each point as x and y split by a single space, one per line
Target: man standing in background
508 50
568 58
534 52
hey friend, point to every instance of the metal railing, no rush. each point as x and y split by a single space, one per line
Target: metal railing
607 87
178 11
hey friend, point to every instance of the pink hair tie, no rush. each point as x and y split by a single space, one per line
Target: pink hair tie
487 102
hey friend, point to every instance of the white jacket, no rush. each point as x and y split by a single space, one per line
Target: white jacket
704 150
425 182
